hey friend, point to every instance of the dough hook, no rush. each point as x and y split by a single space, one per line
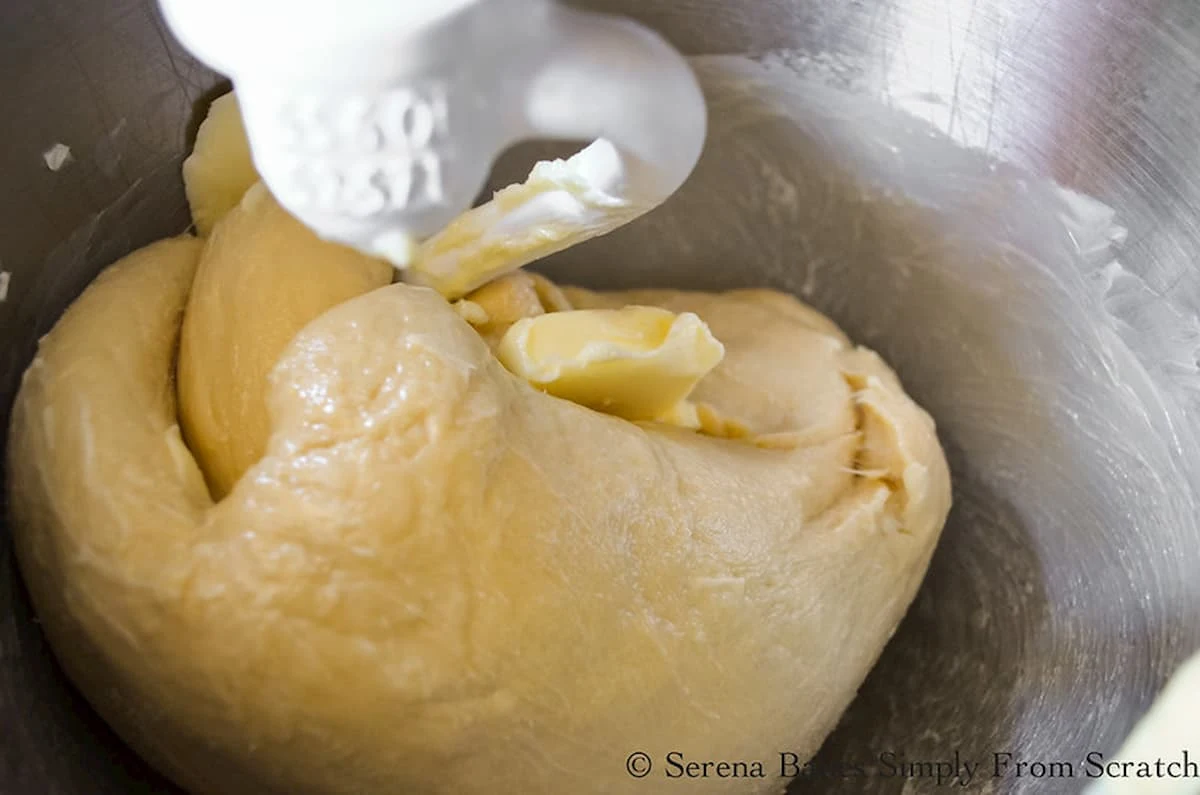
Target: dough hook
376 122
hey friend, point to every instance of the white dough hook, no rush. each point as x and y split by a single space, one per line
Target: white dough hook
376 122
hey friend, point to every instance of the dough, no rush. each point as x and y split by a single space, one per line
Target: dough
425 576
263 275
439 580
220 169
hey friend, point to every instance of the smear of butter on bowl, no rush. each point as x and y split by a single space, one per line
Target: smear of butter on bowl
638 362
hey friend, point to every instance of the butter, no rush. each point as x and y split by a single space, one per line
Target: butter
563 202
639 363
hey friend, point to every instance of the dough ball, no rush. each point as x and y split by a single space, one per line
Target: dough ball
434 578
262 277
220 169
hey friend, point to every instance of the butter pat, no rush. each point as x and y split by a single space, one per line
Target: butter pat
563 202
639 362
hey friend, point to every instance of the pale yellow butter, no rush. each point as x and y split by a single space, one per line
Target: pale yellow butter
639 362
563 202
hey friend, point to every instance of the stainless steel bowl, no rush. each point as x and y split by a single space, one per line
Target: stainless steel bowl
891 161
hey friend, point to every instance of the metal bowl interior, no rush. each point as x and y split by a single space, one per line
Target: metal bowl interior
893 163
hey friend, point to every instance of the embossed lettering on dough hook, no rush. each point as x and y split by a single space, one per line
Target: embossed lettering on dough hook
376 122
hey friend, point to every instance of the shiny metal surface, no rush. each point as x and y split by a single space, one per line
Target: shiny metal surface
889 164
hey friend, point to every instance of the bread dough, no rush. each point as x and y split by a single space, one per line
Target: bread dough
439 580
220 169
263 275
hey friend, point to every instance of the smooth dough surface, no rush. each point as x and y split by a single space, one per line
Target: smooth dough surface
437 579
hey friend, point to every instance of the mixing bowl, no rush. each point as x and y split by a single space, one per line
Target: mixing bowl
919 170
